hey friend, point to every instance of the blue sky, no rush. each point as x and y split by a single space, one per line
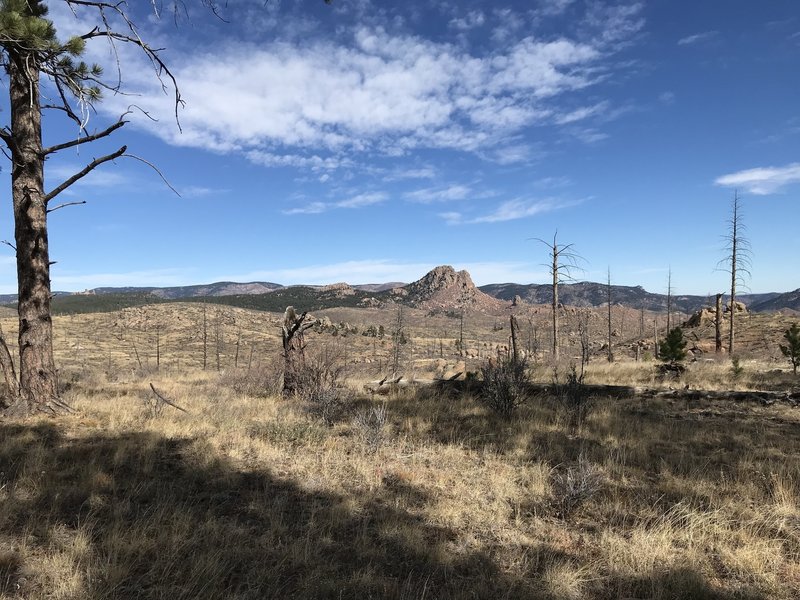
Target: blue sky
365 143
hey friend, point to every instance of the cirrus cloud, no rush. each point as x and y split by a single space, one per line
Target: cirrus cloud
762 181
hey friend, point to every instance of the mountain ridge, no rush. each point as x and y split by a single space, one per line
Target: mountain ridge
444 288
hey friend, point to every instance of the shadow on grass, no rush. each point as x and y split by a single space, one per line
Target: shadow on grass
161 518
682 583
138 515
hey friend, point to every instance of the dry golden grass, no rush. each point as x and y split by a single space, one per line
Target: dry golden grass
252 497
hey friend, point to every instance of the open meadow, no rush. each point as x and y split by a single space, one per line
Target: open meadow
420 493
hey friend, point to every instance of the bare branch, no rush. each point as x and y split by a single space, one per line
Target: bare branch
9 244
156 169
76 203
6 136
84 172
166 400
83 140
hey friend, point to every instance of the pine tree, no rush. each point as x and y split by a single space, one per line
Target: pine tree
792 348
672 348
31 51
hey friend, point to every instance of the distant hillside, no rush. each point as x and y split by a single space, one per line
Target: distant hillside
71 304
304 297
378 287
587 293
220 288
788 300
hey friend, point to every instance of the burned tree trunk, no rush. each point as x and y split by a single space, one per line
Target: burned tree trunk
294 359
514 334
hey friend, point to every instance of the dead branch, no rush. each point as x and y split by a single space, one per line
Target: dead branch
156 169
166 400
76 203
83 140
84 172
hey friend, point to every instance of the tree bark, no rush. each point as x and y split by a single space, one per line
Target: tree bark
9 372
38 383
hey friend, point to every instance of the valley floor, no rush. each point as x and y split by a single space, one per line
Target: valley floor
417 495
421 494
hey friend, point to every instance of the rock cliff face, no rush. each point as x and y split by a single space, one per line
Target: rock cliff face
339 290
444 288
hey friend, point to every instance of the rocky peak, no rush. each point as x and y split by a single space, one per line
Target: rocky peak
443 278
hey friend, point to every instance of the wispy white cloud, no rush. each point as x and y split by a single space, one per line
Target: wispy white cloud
362 200
762 181
452 217
313 162
440 194
552 182
512 154
473 19
697 38
582 113
667 98
410 173
517 209
199 191
550 8
510 210
588 135
314 208
614 24
357 201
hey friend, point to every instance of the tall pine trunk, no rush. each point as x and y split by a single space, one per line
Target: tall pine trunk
38 383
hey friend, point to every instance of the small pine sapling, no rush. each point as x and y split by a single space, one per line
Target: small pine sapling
672 351
792 348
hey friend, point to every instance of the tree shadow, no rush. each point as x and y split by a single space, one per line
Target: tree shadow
684 583
167 518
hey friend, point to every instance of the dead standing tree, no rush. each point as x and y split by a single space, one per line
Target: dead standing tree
294 359
563 263
609 353
718 324
737 262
